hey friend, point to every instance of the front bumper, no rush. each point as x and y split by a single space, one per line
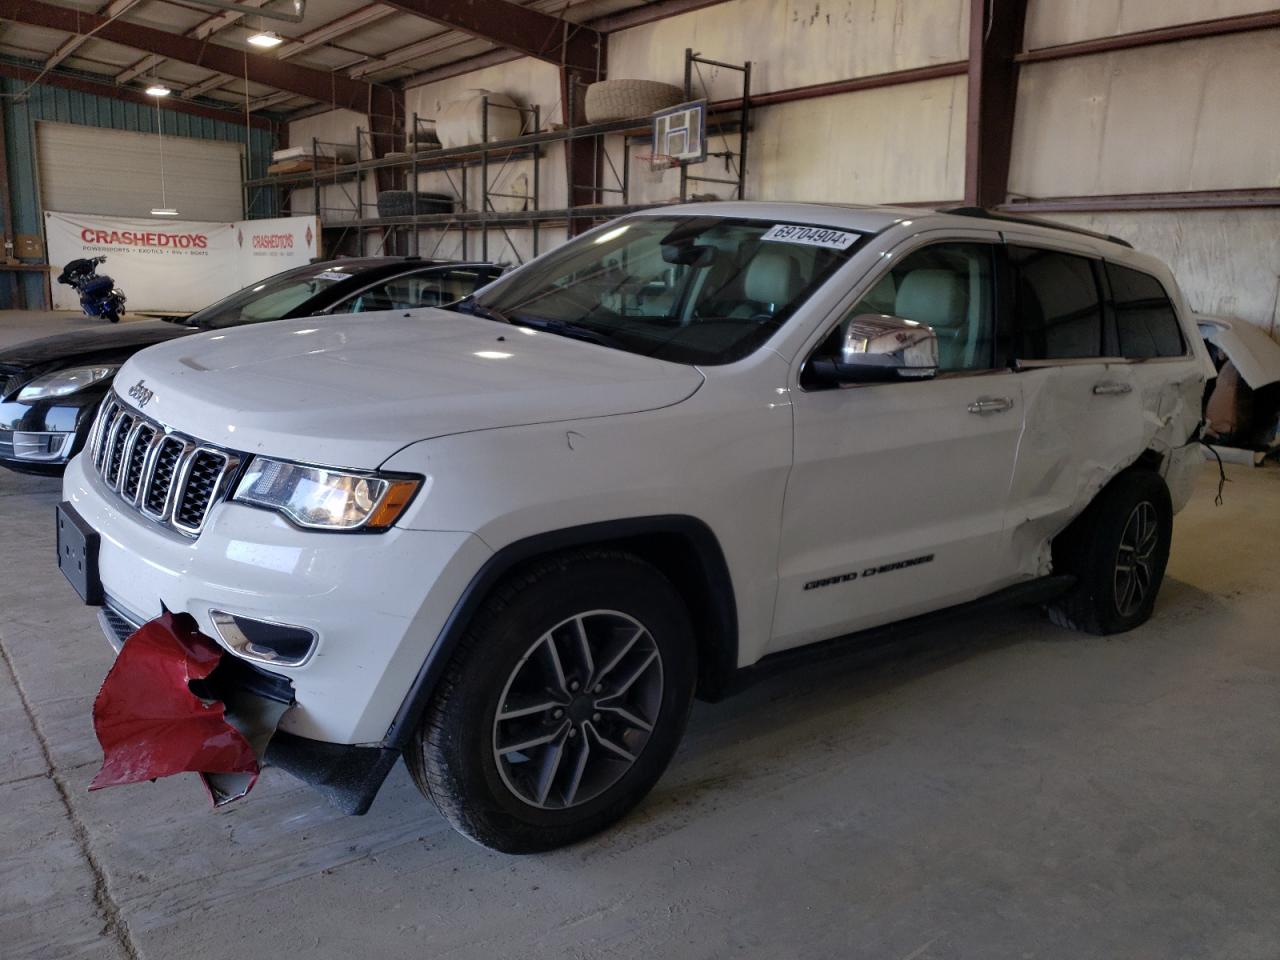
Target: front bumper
347 776
377 602
41 437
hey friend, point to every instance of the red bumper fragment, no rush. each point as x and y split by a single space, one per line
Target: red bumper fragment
151 724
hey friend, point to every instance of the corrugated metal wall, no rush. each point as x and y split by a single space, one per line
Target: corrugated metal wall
72 106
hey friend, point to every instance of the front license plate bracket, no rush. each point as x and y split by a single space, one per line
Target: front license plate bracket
78 554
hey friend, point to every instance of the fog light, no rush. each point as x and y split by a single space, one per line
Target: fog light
39 446
262 640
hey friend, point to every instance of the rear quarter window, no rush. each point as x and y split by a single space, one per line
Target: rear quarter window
1146 323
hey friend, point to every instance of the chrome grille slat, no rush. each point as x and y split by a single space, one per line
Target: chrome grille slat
163 471
168 478
140 446
201 478
115 454
106 417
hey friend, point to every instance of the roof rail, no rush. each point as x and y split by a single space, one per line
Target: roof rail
1033 221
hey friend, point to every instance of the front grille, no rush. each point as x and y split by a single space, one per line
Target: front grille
117 439
138 446
170 478
205 472
6 443
168 455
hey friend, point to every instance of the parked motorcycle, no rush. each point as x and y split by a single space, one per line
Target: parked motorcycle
99 295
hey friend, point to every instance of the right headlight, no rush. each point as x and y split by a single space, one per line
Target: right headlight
323 499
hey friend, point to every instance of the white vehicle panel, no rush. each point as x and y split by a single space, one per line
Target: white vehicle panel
721 457
887 474
350 390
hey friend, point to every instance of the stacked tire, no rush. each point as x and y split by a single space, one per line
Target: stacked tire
611 100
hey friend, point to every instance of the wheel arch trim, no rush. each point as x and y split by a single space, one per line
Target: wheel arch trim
715 673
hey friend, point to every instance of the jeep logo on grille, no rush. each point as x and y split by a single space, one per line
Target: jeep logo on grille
140 393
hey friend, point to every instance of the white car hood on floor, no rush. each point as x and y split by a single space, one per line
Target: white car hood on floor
351 390
1246 345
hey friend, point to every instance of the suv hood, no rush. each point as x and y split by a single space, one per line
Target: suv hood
352 390
88 346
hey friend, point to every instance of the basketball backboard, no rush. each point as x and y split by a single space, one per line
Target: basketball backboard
680 132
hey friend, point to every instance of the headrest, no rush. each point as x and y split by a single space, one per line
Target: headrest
933 297
772 277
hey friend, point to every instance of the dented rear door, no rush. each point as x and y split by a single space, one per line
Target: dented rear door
1083 413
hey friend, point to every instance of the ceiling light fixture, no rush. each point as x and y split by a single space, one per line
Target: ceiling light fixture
164 210
158 90
266 39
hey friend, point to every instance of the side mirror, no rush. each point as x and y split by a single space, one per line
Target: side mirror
879 347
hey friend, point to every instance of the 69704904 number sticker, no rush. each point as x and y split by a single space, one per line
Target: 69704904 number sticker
810 236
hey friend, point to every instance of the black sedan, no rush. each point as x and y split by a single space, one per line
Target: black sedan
49 389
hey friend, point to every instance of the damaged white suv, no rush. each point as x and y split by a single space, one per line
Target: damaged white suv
513 540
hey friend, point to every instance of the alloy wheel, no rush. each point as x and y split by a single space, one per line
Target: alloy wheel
1134 574
578 709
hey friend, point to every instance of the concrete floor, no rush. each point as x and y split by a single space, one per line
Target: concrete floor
1004 789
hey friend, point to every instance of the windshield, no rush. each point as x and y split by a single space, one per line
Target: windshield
272 298
705 290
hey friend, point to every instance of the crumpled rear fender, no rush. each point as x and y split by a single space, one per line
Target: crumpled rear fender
1075 441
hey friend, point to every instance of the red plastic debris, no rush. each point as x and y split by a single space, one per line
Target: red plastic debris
149 722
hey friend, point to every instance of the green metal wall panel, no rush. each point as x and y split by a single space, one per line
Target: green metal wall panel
73 106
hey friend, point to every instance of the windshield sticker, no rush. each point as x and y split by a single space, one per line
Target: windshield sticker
811 236
332 275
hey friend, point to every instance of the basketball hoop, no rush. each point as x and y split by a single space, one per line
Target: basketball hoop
657 164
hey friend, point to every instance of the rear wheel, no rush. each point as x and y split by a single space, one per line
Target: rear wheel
563 704
1117 549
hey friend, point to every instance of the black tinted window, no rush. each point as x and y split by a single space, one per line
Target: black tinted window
1146 323
1058 310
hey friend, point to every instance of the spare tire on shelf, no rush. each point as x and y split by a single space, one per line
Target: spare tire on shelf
400 203
626 99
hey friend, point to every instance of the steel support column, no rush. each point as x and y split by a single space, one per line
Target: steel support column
995 39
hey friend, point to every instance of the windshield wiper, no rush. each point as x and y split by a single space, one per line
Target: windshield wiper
567 328
469 305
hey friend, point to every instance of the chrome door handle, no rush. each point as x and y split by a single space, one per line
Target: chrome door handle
984 405
1111 388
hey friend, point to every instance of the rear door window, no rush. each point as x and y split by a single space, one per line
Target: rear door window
1058 309
1146 323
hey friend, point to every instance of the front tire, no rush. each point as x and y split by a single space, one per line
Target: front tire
1117 549
562 705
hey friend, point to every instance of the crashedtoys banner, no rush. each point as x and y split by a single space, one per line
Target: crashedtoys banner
177 265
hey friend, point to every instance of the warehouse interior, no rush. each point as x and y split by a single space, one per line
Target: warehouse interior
989 788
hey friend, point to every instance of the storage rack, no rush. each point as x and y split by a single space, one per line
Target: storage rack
475 217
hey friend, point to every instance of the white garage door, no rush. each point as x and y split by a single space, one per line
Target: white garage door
117 173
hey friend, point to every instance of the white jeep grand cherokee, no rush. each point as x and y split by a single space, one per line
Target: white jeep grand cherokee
513 540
